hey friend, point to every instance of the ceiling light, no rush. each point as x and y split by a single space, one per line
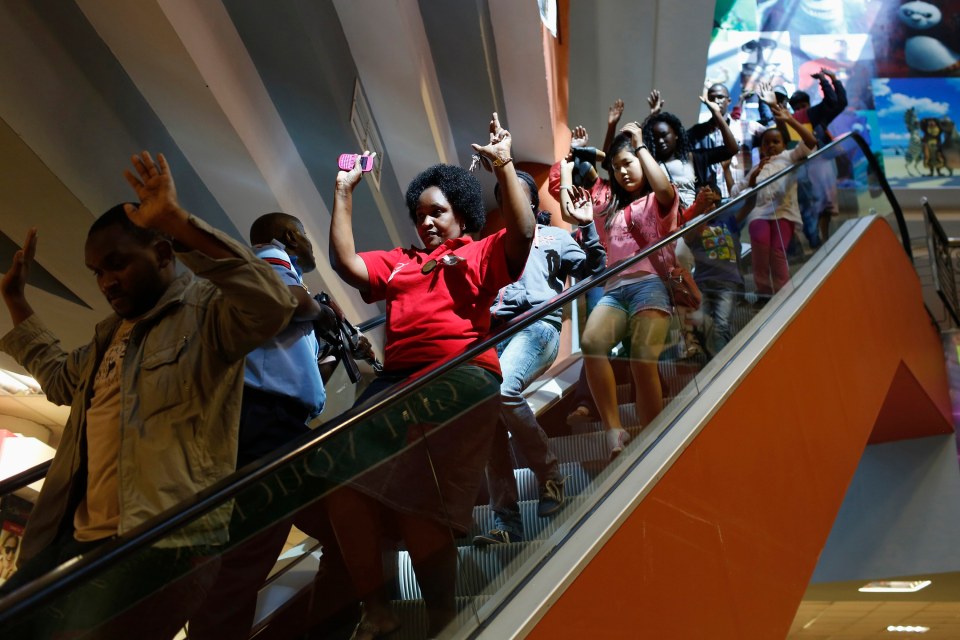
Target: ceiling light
907 629
894 586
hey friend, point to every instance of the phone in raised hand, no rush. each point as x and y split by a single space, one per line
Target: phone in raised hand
348 160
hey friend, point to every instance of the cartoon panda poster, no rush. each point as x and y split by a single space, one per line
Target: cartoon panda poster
918 38
898 60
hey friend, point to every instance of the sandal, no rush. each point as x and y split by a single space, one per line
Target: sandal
581 415
368 629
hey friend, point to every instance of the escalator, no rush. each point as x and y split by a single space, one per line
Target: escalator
719 506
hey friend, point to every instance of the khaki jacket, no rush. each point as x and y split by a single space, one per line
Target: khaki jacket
181 383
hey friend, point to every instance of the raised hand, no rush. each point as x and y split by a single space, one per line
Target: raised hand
579 137
635 130
780 113
615 112
348 180
154 187
15 279
705 201
580 206
497 151
765 93
713 106
656 102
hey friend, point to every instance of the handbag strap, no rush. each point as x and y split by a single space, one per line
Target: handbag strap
628 220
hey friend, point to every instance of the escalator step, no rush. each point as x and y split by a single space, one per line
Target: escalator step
480 571
413 616
528 486
533 525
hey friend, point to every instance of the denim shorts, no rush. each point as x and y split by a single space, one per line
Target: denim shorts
649 293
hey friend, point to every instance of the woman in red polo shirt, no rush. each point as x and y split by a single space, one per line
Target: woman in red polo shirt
438 302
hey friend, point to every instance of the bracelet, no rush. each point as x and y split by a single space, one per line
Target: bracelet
497 163
637 150
566 187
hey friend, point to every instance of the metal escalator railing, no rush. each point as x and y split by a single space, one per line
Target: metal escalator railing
298 462
941 249
28 476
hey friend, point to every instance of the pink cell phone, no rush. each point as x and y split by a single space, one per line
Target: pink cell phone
348 160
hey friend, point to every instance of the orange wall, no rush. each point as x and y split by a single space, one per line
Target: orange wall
725 544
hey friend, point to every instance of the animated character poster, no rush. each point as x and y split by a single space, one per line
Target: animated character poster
898 60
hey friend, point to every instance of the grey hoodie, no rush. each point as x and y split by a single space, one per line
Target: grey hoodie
553 256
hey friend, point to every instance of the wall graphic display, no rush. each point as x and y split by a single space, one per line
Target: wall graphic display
899 61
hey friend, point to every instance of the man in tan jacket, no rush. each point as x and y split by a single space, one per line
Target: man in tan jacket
155 401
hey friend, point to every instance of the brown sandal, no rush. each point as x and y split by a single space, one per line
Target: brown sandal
581 415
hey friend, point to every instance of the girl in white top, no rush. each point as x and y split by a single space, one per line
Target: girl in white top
774 219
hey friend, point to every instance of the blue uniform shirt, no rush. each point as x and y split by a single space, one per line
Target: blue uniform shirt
287 363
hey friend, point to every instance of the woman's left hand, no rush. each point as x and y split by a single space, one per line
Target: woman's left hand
497 151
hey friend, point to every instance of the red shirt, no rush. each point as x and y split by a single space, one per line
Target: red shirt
434 316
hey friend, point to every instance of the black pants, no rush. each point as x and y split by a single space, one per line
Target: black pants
267 422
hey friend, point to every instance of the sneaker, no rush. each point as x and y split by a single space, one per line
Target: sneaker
551 498
616 440
496 536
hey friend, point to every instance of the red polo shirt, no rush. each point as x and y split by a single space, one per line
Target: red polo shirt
436 315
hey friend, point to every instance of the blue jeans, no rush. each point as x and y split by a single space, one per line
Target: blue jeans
719 296
523 358
649 293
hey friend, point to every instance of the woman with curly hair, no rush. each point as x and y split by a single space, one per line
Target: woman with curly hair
438 303
692 172
689 169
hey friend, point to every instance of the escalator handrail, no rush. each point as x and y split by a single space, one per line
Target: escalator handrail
884 184
28 476
210 498
372 323
20 480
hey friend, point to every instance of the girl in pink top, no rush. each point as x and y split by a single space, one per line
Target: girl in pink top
636 302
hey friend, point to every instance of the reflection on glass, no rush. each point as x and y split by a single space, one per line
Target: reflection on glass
415 453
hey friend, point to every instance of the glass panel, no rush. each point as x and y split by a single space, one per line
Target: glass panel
422 455
395 493
839 181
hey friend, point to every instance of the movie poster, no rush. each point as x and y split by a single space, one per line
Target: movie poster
741 59
899 62
921 145
918 39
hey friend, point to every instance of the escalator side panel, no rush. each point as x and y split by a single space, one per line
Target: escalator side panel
725 543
